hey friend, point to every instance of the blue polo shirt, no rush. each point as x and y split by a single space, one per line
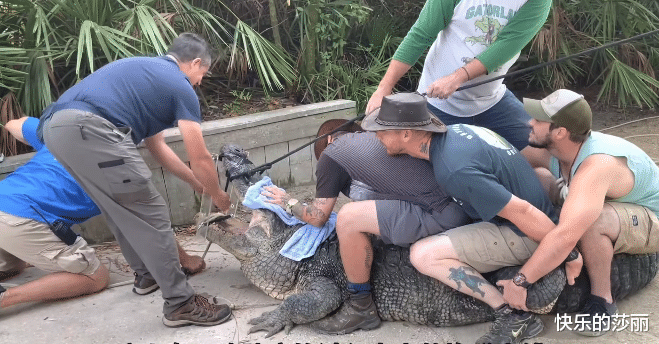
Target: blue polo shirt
147 94
482 171
44 184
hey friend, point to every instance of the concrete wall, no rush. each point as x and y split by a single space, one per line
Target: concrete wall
266 136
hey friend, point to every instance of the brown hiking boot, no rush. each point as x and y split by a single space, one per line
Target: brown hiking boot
198 311
358 312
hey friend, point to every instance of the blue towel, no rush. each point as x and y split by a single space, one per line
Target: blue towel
304 242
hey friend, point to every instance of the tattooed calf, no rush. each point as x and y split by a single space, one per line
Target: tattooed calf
472 282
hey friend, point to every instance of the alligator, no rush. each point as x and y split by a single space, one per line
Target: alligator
315 287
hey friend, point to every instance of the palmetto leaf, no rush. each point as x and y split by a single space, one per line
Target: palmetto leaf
629 86
11 61
36 93
151 27
269 60
113 42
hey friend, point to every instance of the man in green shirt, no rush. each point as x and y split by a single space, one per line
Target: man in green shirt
470 41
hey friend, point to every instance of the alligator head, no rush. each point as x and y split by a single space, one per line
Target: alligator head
266 232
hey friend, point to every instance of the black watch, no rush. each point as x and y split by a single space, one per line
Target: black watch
520 280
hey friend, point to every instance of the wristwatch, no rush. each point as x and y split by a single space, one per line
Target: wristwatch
520 280
289 206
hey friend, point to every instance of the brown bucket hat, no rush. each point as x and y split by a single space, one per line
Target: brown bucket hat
403 111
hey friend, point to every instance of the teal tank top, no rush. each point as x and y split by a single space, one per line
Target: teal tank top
646 173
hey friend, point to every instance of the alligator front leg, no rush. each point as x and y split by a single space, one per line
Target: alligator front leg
318 297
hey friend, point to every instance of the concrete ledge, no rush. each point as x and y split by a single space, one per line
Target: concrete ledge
265 135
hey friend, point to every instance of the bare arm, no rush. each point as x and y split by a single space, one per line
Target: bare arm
203 174
445 86
315 214
582 207
202 163
15 128
395 71
529 219
170 161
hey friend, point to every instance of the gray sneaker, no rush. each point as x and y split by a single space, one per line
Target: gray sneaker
144 285
198 311
512 326
597 306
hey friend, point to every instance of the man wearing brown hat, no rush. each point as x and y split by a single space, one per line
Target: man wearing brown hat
494 184
396 198
612 204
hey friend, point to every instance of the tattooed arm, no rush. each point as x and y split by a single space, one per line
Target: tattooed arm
316 213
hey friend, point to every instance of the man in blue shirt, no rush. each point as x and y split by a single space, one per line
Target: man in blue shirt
42 192
93 129
494 184
38 192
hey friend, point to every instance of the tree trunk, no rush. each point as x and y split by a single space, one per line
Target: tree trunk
274 22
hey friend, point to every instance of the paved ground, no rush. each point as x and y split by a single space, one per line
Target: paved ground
117 315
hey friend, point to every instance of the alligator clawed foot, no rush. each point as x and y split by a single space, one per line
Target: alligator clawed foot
271 322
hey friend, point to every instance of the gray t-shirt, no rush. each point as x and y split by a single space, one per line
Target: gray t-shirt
357 160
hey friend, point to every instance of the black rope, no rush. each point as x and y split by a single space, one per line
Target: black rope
268 165
559 60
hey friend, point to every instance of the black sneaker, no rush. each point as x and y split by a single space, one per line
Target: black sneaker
598 316
199 310
144 285
512 326
358 312
8 274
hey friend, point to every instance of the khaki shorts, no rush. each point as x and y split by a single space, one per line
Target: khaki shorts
26 240
487 247
639 229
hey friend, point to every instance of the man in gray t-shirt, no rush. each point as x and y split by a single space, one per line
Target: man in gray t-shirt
397 198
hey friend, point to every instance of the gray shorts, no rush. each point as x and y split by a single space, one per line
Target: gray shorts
487 247
403 223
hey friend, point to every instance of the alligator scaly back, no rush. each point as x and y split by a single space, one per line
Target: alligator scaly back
315 286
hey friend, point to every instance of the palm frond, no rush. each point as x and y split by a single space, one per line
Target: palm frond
36 93
270 61
112 42
150 27
629 86
11 62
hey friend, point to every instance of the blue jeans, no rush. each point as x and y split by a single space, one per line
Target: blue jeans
506 118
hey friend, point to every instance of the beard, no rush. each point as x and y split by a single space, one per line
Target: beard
545 143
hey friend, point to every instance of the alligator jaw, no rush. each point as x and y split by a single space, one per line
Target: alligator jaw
230 235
